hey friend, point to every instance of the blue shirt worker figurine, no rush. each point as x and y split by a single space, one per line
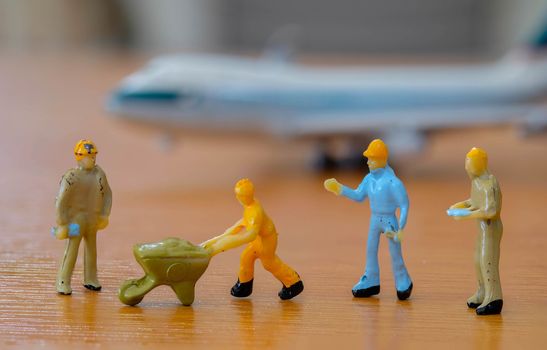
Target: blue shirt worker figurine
484 205
82 207
386 193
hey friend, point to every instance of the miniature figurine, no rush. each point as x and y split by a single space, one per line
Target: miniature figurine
386 193
257 229
485 206
82 207
173 262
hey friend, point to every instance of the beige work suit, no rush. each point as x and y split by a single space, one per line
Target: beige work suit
486 196
84 198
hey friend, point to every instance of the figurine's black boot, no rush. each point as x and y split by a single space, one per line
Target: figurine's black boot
366 292
405 294
292 291
473 305
92 287
242 290
492 308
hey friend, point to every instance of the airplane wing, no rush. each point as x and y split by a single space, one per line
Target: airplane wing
529 117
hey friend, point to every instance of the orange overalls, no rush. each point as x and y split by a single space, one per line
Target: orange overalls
263 247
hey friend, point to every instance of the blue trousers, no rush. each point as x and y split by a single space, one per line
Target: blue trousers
379 224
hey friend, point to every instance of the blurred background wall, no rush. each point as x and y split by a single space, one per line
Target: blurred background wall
57 24
325 26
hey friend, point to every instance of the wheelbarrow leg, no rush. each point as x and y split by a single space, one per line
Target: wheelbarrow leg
133 291
184 291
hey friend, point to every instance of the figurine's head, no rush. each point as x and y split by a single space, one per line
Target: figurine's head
476 162
85 153
245 191
377 154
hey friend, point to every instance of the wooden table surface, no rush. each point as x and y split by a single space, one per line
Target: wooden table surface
48 102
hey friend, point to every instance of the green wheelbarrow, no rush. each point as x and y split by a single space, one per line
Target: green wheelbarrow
174 262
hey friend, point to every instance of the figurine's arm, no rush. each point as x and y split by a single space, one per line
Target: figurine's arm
232 230
461 205
401 197
61 205
252 222
358 195
235 239
107 200
490 206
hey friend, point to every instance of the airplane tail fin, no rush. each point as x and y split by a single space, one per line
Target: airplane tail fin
527 50
539 42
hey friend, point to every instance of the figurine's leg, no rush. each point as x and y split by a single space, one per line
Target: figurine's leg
283 272
476 299
247 264
403 283
372 268
491 232
292 285
369 284
67 265
244 285
91 281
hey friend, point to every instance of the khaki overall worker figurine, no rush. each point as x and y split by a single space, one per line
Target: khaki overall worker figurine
82 207
485 206
258 230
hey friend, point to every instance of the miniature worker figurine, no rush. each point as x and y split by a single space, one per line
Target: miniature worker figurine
485 206
386 193
258 230
83 205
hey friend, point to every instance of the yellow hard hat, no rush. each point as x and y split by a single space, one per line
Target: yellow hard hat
477 153
244 187
83 148
479 157
376 149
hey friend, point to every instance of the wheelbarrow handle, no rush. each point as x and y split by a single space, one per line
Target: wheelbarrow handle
132 291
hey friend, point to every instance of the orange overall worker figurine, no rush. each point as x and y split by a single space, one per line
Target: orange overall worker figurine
257 229
82 207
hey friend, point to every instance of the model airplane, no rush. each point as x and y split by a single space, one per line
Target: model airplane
397 103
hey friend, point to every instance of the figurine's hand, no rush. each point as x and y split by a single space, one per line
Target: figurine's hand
333 186
460 205
207 245
396 236
102 222
462 213
61 232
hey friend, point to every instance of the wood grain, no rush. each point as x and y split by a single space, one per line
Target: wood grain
49 102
